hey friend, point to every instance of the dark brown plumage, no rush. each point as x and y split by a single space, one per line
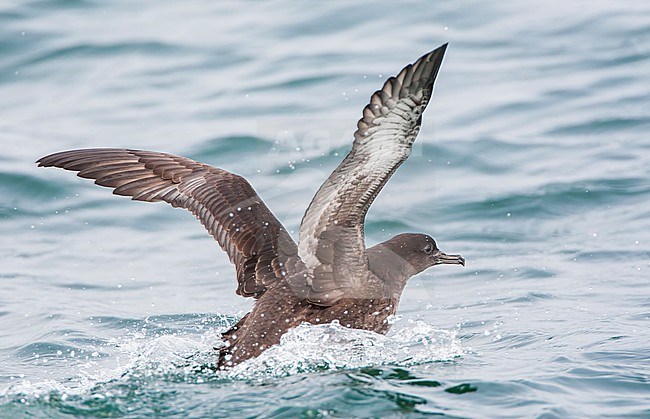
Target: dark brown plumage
330 275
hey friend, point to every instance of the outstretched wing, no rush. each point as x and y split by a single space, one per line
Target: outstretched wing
225 203
332 243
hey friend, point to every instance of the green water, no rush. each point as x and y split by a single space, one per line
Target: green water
533 162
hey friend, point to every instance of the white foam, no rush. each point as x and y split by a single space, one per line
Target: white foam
331 346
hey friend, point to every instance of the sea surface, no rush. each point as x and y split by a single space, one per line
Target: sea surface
533 162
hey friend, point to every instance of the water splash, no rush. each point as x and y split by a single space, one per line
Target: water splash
331 346
142 357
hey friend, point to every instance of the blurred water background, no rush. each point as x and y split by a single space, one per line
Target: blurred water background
533 162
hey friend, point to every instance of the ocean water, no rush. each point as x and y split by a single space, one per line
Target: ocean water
533 162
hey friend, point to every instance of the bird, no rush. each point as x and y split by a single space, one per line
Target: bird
329 275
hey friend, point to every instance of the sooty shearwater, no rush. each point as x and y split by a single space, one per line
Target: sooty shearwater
329 275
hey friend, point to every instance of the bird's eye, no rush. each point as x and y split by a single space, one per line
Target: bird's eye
428 249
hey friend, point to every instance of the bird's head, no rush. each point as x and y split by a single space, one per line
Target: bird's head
420 251
399 258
